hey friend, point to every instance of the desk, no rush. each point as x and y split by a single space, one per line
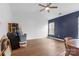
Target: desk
74 47
74 43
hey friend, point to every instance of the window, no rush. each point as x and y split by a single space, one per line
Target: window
51 28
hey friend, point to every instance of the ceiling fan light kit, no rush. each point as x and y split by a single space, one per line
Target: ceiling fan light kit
47 7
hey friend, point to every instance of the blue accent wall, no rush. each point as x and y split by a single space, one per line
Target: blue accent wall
66 25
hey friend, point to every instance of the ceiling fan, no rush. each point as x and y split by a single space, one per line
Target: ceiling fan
47 7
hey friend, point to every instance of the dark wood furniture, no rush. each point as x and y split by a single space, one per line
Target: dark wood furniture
13 27
13 35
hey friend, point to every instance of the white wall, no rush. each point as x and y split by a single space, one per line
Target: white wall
34 22
5 17
30 19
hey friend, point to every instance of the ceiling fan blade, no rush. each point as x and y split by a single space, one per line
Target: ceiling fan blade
42 5
42 9
53 7
48 4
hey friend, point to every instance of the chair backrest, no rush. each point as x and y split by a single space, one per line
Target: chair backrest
67 40
14 39
5 46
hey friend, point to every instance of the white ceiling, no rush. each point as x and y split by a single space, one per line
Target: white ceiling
63 8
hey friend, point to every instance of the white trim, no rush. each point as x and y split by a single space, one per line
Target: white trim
56 38
78 27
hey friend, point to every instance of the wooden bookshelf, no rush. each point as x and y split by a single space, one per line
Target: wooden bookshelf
12 27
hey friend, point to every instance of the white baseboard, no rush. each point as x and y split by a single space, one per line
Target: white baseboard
56 38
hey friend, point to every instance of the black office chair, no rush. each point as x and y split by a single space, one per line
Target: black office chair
14 39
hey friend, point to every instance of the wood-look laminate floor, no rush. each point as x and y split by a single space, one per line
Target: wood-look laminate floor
41 47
